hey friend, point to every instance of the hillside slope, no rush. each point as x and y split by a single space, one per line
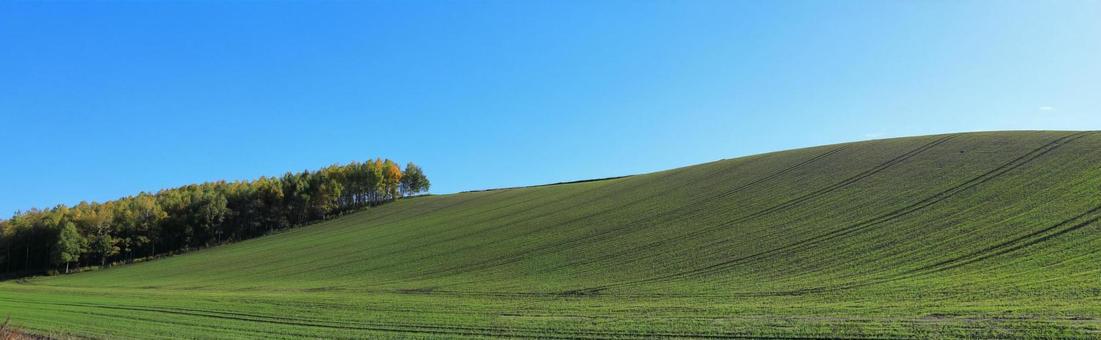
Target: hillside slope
977 234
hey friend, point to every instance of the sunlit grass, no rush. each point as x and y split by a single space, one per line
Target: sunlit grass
970 235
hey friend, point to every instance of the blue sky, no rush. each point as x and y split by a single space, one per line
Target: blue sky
102 100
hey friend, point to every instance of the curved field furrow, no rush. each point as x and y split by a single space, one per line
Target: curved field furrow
878 220
566 244
844 183
634 224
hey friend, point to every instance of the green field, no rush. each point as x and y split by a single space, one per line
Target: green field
964 235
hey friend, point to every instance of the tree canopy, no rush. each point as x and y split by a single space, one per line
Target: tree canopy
196 216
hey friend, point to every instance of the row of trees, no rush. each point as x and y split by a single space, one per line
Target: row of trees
195 216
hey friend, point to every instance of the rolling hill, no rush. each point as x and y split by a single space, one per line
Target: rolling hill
978 234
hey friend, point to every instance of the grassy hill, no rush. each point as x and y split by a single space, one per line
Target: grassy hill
977 234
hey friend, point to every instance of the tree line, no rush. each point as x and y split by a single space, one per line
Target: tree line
195 216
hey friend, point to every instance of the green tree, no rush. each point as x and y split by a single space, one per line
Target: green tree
96 220
196 215
209 210
147 219
325 193
269 200
105 246
69 246
296 194
413 180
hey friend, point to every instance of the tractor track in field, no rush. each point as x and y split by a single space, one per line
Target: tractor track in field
995 250
503 260
353 230
687 208
490 263
394 327
572 243
856 178
777 174
491 210
91 309
831 188
1036 237
568 244
864 225
396 212
512 258
314 268
131 317
844 183
1083 220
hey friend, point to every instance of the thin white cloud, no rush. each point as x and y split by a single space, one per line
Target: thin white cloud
873 135
1047 108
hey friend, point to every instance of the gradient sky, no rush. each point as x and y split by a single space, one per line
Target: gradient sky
104 100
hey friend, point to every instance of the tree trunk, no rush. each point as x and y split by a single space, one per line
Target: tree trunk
66 267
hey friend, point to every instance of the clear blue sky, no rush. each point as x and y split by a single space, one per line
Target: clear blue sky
104 100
